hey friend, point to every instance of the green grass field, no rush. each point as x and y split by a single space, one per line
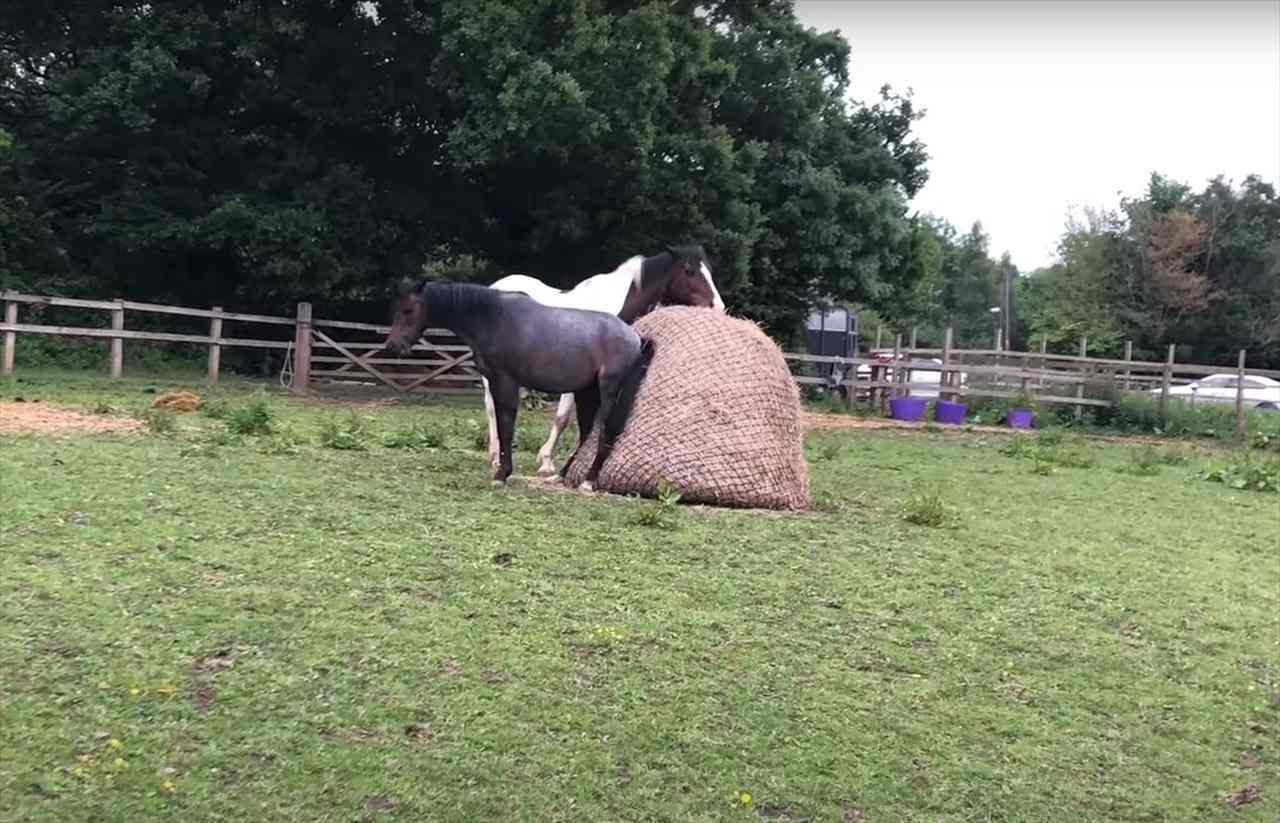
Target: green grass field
311 624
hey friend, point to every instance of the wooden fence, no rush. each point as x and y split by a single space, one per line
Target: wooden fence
952 373
340 351
315 350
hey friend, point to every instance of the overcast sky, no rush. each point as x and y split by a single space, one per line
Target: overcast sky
1038 106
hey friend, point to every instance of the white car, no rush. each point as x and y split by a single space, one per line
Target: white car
917 375
1259 392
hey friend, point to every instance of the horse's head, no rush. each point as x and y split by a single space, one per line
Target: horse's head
408 317
689 281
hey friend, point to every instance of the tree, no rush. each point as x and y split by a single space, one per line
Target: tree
1201 270
257 152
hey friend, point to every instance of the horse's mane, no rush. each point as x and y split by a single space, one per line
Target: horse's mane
459 298
688 250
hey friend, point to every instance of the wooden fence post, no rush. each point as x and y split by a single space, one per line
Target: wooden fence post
1084 371
1128 355
302 349
1165 379
897 366
10 337
215 350
1044 349
117 343
879 333
944 380
1240 395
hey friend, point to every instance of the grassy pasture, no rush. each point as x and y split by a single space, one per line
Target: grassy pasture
337 618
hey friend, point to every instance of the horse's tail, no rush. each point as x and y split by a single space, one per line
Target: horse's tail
621 411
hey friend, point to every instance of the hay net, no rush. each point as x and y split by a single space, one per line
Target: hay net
717 417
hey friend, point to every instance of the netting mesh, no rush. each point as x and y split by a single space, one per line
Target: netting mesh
717 417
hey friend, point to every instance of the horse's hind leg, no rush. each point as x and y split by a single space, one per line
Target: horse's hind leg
493 422
546 461
588 403
617 395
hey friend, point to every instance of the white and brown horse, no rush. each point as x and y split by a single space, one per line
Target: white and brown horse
679 276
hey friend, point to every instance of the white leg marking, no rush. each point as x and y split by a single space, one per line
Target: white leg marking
489 411
564 412
716 302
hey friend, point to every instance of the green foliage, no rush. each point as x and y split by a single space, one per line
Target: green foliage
928 507
826 448
351 432
1200 269
1048 449
253 418
283 441
1264 440
159 420
487 137
663 511
419 435
215 408
1247 473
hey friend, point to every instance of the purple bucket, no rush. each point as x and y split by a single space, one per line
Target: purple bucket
1020 418
906 408
945 411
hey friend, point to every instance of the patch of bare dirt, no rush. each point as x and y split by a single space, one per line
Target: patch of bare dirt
203 672
42 418
1249 794
376 804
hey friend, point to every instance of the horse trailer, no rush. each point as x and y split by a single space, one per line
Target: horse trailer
831 332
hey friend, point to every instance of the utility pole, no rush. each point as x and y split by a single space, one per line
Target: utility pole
1006 299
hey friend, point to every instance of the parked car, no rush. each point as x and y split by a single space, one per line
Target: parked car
918 376
1259 392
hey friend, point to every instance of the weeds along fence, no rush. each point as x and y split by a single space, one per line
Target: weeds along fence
318 351
1040 377
314 350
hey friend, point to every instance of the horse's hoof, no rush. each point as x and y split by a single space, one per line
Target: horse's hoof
550 478
587 486
547 470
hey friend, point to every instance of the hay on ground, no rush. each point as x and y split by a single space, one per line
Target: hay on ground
178 400
717 416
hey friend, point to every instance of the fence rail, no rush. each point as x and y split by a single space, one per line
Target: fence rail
1043 376
439 362
442 364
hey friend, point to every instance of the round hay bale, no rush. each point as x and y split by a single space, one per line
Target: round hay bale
717 417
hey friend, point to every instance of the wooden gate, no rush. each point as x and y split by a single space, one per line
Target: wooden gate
438 363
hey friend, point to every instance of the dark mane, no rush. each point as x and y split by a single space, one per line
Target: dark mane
459 298
688 250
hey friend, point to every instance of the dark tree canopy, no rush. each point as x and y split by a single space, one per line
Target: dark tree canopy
254 153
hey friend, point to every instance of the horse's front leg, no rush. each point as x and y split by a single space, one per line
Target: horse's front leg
506 401
546 461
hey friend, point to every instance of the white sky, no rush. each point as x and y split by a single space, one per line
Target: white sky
1037 107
